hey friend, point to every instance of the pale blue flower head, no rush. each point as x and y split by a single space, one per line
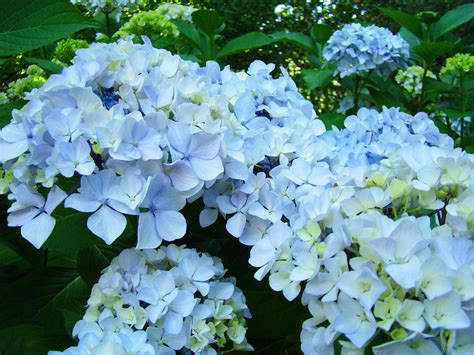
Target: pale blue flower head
359 49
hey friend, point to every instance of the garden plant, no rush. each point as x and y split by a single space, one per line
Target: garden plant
166 188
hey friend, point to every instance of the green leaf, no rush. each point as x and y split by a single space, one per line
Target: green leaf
45 64
42 288
8 256
71 234
452 19
430 51
297 38
409 37
436 87
29 24
245 42
28 339
190 32
332 119
6 111
321 33
410 22
454 114
90 263
467 141
317 78
208 21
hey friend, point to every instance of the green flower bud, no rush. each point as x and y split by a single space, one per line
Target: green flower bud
66 50
459 63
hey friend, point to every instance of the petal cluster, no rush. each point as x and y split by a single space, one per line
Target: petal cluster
358 49
142 131
160 302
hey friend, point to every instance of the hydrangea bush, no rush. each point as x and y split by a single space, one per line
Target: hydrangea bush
161 301
359 49
371 224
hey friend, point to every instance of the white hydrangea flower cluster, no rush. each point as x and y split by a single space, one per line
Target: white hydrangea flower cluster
162 301
114 7
411 79
334 210
358 49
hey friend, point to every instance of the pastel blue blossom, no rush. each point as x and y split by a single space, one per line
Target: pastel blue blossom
195 156
71 157
359 49
95 196
155 310
162 219
65 128
137 141
14 139
33 213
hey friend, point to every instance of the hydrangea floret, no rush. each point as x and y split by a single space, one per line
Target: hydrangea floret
359 49
157 21
411 79
357 220
160 302
114 7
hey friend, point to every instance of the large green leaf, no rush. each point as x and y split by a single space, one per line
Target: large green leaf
321 33
410 22
190 33
297 38
45 64
71 234
430 51
452 19
90 263
409 37
245 42
467 143
331 119
8 255
208 21
28 339
38 293
10 238
29 24
317 78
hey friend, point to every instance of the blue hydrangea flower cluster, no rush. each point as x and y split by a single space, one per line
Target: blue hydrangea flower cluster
162 301
341 217
359 49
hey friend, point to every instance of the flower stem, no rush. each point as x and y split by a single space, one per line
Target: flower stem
107 24
462 101
356 93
